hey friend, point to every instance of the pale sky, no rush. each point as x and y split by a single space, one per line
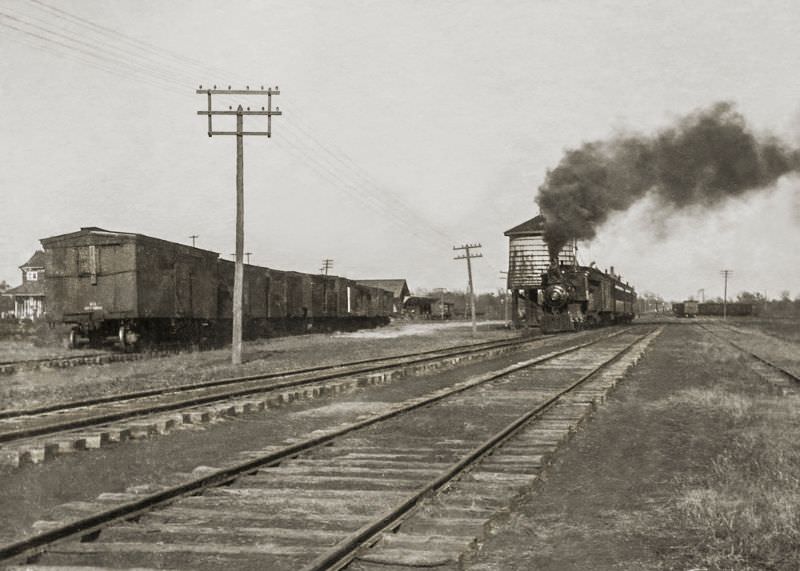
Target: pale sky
409 127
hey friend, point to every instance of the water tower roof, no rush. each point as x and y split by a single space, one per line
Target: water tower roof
532 227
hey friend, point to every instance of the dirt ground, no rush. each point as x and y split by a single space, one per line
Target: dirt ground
611 499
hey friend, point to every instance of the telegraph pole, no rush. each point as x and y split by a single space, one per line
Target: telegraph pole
504 277
248 254
441 290
468 256
327 264
194 238
725 273
239 133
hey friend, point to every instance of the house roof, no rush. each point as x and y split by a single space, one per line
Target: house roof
399 287
534 225
414 301
28 288
35 261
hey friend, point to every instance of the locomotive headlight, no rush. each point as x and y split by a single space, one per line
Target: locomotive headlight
555 295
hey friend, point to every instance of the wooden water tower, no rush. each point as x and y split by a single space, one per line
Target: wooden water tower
528 259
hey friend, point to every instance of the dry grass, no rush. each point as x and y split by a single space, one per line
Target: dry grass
787 328
745 513
730 405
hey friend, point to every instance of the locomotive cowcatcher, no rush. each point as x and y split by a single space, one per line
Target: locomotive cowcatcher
577 297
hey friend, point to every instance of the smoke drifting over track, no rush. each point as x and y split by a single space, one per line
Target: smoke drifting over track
706 158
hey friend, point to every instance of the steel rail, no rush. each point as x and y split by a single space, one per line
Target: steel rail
343 553
32 546
54 359
11 367
13 413
337 372
788 374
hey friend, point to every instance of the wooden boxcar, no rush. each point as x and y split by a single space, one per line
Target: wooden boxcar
126 287
733 308
118 284
685 309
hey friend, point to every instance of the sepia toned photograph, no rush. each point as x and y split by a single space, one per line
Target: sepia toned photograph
372 285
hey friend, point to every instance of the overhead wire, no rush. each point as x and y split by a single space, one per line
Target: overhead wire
411 217
153 68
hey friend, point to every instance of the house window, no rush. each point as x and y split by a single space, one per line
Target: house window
31 276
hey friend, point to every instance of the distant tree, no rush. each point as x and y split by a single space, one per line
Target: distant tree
749 297
489 306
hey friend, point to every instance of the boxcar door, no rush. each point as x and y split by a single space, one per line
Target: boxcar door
183 290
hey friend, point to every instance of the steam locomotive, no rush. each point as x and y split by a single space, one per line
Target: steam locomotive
577 297
558 293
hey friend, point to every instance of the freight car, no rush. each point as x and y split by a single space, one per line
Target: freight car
578 297
685 309
132 288
734 309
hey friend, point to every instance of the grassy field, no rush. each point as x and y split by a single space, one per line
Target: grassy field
745 512
692 464
787 328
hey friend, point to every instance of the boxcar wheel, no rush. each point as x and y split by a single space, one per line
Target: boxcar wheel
71 341
127 338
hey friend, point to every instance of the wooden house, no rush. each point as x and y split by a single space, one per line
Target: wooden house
29 298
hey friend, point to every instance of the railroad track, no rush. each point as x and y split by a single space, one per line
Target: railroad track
779 378
415 483
37 434
66 362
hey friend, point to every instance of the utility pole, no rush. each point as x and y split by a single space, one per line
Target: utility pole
239 133
327 264
504 277
468 256
725 273
248 254
441 290
194 238
702 293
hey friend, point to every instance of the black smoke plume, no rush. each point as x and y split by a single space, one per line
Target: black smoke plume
704 159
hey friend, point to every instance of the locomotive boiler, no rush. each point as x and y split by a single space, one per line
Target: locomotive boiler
577 297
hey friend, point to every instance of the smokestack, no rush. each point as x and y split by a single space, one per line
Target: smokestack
704 159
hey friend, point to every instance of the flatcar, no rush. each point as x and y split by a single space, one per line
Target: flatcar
578 297
130 288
